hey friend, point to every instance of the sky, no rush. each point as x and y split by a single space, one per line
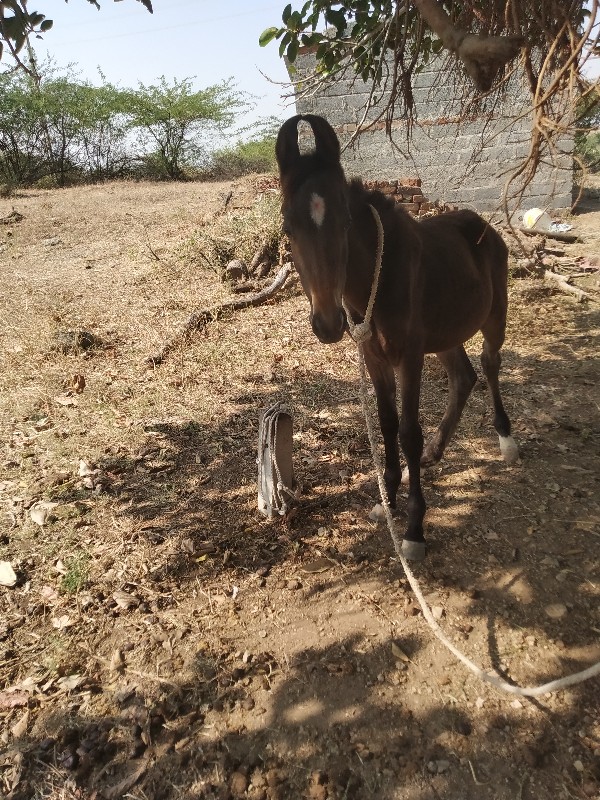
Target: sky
206 40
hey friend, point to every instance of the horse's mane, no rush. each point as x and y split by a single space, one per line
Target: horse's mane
396 221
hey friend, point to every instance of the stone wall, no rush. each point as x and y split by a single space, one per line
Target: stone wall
465 164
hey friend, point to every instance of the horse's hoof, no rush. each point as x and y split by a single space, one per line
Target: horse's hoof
413 551
509 449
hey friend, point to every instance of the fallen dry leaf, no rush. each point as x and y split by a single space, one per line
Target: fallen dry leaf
69 682
40 512
399 653
125 600
65 400
318 565
78 384
62 622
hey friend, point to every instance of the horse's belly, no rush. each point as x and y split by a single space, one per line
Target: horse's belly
456 317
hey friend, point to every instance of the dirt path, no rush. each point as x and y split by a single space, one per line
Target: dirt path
165 641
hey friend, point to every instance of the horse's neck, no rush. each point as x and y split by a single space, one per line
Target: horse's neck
362 256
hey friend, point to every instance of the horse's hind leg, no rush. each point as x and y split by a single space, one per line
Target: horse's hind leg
461 379
493 335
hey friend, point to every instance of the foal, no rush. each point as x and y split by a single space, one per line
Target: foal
441 281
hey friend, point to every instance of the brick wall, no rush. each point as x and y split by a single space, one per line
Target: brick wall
462 164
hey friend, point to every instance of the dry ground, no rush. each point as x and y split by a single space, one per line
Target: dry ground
165 641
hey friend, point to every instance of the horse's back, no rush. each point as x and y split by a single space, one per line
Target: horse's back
480 236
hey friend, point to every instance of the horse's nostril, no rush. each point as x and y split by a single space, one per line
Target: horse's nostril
329 330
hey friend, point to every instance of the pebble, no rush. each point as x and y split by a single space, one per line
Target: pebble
556 610
376 514
438 767
294 584
238 783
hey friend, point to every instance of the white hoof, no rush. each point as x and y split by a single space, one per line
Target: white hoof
509 449
413 551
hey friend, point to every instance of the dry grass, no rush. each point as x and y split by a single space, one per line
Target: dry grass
173 526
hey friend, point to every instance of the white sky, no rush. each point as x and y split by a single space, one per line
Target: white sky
207 40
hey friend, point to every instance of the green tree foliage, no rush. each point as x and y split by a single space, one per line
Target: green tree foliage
255 154
485 35
587 139
175 123
54 125
387 42
21 135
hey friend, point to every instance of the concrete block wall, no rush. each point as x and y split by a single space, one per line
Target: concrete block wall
464 164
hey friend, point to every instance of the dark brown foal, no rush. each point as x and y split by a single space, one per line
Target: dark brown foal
441 281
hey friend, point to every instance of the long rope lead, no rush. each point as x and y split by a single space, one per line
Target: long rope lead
360 333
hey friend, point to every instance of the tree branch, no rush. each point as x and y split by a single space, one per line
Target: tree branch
199 319
483 56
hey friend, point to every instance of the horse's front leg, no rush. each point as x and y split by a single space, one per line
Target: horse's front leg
382 376
408 374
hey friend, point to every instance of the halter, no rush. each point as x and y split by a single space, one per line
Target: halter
362 331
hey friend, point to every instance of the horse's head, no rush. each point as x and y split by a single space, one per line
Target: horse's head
316 219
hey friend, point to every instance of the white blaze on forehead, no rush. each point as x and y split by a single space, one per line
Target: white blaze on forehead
317 209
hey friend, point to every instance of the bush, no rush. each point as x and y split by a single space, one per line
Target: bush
587 147
257 155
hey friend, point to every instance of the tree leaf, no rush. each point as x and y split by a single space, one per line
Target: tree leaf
267 36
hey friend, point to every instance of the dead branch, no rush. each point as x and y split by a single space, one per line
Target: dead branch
562 237
199 319
562 284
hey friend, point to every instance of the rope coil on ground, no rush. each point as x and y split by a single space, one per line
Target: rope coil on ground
494 680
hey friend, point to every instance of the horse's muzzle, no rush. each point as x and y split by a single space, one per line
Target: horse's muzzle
329 330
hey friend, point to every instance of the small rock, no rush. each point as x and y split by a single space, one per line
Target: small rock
7 574
294 584
556 610
442 766
238 783
236 270
578 765
377 513
438 612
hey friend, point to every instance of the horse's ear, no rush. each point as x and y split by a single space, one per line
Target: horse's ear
326 142
287 151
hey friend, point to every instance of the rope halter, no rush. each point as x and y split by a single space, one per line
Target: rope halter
362 331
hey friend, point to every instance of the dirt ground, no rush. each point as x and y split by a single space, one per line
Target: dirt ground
164 640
